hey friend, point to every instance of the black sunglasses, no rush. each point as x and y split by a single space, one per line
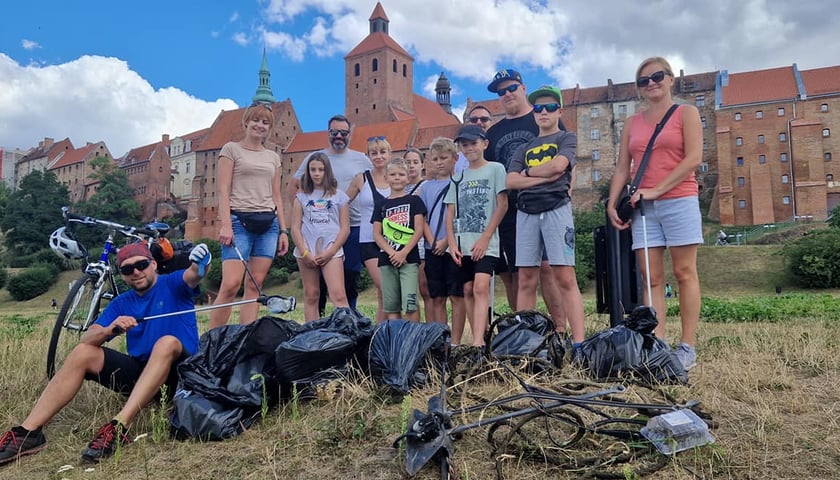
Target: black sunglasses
376 139
548 107
657 77
479 119
140 266
335 133
510 88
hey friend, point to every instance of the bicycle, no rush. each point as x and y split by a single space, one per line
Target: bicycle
97 284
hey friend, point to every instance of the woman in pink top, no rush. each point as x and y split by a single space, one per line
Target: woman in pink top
669 189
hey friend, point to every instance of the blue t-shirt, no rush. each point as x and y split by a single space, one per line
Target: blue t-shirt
429 193
169 294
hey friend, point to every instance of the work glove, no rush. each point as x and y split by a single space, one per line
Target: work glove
201 256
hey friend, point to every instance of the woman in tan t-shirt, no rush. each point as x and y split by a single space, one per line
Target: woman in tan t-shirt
248 181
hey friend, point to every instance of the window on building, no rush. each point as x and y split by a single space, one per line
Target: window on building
395 66
703 121
829 178
824 107
786 200
742 181
785 179
705 145
375 64
783 158
740 161
593 112
594 134
826 132
704 167
761 139
700 100
742 204
357 70
622 111
827 156
762 159
405 70
783 137
596 175
780 112
737 116
596 154
739 141
759 114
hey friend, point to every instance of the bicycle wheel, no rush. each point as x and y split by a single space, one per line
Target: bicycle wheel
80 306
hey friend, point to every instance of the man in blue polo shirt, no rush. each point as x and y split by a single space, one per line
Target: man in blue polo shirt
154 350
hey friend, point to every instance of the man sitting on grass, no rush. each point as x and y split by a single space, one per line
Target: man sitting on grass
154 350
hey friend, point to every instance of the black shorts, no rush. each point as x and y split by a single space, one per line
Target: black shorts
121 372
507 244
442 276
369 250
470 268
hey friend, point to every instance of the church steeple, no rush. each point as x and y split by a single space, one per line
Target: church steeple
264 94
443 91
378 20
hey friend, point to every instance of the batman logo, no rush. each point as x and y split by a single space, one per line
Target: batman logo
540 154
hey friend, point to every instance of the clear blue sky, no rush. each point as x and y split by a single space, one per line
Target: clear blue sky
127 72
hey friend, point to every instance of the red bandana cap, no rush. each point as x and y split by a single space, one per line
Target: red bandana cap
133 250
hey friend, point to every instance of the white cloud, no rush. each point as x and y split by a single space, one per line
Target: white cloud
575 41
29 44
94 98
240 38
233 17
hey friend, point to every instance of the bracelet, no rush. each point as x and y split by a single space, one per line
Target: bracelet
527 171
284 230
305 253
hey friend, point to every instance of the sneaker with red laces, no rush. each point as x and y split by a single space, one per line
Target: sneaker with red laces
106 441
18 442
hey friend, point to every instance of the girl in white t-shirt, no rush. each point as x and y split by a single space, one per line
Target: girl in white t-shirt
320 226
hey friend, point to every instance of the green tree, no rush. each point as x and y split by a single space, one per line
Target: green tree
33 212
5 193
834 220
113 198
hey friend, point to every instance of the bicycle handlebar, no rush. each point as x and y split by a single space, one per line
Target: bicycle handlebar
124 229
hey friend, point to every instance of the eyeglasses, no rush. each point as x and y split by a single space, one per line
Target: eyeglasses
657 77
140 266
479 119
510 88
267 106
548 107
376 139
336 133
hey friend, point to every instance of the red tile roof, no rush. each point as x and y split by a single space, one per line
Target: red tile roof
50 152
760 86
400 135
228 126
138 155
376 41
821 81
430 114
308 142
378 12
426 135
77 155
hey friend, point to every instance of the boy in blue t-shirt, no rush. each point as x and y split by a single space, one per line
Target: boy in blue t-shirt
397 227
154 350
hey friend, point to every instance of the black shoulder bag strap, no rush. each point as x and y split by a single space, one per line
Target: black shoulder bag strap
416 186
643 165
439 203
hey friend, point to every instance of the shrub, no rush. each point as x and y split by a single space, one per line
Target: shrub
32 282
279 275
4 276
45 255
814 259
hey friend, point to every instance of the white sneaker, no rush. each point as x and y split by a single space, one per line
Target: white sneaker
687 356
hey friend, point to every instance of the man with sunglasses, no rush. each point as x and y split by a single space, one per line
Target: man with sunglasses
346 163
506 136
542 172
154 350
478 115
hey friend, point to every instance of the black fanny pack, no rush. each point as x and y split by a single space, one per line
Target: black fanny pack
539 202
256 222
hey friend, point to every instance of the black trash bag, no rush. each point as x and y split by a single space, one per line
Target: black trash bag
527 334
328 343
194 416
400 352
311 352
231 376
623 350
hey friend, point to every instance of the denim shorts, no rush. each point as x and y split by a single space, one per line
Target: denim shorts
251 244
673 222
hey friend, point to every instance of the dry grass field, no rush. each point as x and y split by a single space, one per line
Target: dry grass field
771 387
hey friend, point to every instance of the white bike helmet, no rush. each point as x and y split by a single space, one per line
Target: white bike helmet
65 245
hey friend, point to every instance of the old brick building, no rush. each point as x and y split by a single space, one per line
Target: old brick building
40 157
74 169
775 146
149 169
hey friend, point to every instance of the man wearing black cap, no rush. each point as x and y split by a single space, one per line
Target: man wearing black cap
154 350
506 136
